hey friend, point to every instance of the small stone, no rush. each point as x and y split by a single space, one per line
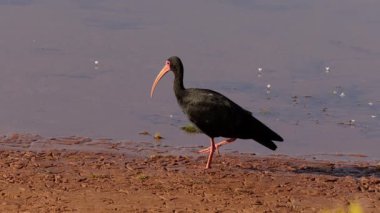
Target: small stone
157 136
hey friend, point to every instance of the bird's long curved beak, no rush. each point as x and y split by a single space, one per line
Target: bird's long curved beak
164 70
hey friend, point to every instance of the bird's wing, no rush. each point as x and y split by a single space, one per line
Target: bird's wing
212 112
217 115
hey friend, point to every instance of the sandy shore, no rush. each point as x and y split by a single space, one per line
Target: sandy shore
76 174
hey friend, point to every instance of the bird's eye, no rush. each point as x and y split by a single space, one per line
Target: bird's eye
168 62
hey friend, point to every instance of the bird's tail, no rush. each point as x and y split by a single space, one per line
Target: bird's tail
264 135
267 143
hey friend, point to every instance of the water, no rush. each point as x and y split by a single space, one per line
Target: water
86 68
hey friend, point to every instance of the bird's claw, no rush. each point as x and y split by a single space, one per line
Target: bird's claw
207 150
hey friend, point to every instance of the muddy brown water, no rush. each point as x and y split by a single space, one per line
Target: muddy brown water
86 67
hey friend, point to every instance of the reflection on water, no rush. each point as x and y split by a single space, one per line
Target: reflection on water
307 69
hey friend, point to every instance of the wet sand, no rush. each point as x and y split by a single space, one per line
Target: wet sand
58 175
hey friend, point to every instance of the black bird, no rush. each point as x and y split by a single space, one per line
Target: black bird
214 114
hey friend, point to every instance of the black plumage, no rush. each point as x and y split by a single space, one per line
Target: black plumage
214 114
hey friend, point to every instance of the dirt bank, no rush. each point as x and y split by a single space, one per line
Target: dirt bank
69 180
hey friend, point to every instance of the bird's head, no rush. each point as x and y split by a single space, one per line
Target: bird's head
173 64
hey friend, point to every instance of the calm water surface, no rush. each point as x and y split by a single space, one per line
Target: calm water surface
86 67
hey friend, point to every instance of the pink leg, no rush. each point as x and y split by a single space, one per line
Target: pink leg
212 150
230 140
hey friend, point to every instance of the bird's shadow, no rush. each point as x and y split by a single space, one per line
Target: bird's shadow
301 166
355 171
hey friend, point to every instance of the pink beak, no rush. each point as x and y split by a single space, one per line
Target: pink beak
161 74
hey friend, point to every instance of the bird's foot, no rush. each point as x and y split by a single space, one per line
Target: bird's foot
207 150
207 166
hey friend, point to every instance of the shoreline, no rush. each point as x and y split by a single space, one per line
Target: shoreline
35 142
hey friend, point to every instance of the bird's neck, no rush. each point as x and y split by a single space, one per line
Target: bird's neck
178 84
